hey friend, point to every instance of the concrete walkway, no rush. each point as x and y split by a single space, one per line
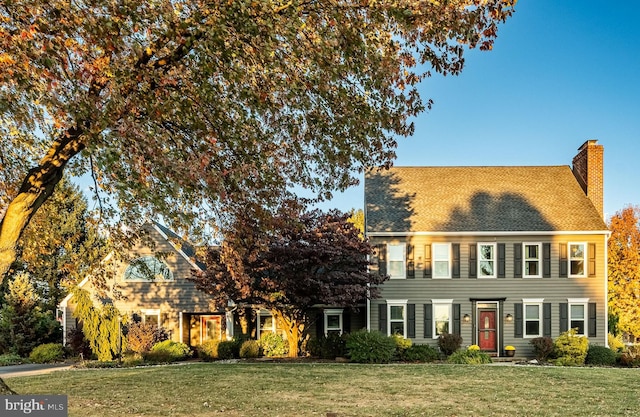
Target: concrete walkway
31 369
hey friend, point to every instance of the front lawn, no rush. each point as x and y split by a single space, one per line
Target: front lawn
274 389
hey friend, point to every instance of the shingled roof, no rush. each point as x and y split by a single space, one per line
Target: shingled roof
478 199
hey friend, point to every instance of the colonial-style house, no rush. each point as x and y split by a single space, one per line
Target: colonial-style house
499 255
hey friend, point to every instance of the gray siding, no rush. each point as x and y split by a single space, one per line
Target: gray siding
512 290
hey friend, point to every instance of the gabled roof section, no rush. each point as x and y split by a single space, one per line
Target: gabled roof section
184 248
478 199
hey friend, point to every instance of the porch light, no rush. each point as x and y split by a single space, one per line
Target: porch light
466 318
509 318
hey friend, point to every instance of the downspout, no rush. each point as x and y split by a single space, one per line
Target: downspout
606 287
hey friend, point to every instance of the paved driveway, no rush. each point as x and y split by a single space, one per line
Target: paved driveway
31 369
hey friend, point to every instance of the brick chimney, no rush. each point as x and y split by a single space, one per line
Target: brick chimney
588 170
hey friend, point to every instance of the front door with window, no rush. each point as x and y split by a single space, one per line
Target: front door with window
210 327
487 331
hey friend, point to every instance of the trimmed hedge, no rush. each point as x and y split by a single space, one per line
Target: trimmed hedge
47 353
370 347
600 355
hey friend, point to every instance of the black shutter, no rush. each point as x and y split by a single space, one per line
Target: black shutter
455 270
501 260
564 317
411 321
382 318
546 319
473 265
518 322
320 324
428 334
346 320
563 260
456 318
546 260
517 260
427 261
382 259
411 266
592 320
592 259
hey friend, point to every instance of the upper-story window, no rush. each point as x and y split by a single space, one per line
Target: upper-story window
396 256
148 268
577 259
531 260
441 260
486 260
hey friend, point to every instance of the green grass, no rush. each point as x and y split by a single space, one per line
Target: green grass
271 389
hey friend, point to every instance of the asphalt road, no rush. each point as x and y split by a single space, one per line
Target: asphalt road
31 369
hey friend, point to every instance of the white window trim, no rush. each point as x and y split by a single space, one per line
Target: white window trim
532 302
403 275
333 312
583 302
524 259
152 312
264 313
494 260
396 303
446 302
585 265
434 260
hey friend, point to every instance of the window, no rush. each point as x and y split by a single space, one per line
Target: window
151 316
486 260
396 310
396 260
266 323
578 315
441 317
531 260
532 317
441 260
333 321
577 259
148 268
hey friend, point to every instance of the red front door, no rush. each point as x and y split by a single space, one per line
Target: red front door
487 334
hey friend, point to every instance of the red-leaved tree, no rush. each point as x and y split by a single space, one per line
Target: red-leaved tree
315 258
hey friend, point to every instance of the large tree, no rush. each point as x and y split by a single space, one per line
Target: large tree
60 245
304 261
624 269
182 107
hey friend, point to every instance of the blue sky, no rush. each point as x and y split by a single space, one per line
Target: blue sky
561 72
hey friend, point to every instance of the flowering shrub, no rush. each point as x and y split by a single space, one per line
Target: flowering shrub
475 348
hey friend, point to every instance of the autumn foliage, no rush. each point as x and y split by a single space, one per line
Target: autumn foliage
317 258
624 269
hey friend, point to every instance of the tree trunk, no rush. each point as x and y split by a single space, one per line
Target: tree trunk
293 329
5 390
36 188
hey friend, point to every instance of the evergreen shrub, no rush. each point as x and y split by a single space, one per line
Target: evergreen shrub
469 357
328 347
228 349
47 353
370 347
420 353
570 349
449 343
12 359
402 345
600 355
208 351
167 351
273 345
250 349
